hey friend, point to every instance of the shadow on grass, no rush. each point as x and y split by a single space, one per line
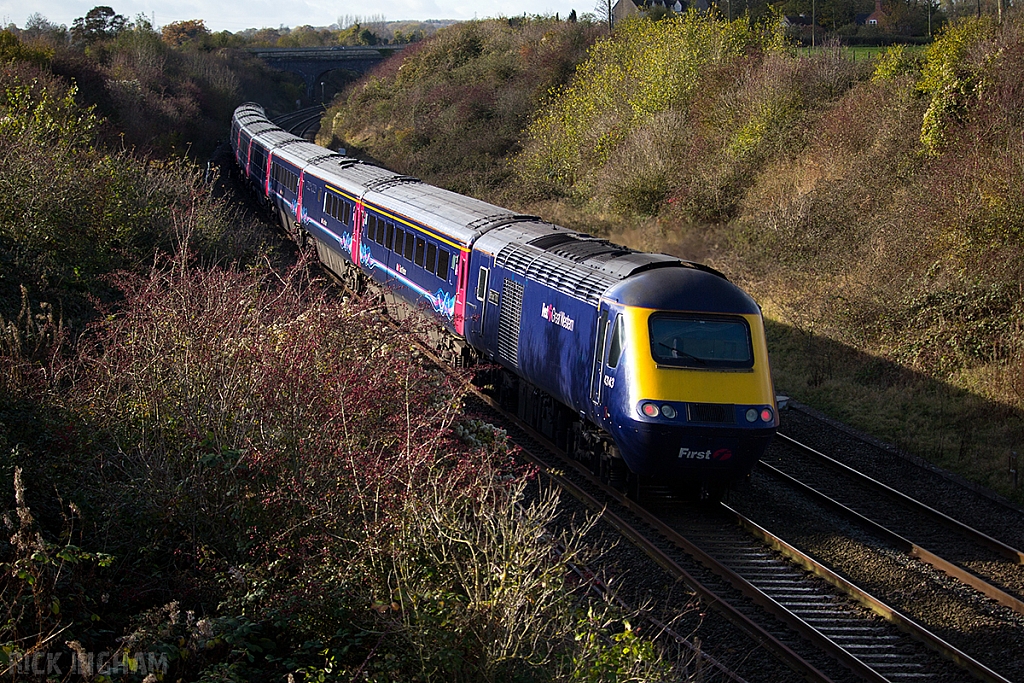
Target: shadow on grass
948 426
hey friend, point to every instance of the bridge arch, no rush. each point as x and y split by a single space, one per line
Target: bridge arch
313 63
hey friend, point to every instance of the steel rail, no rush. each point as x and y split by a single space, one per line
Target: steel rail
905 623
907 546
980 537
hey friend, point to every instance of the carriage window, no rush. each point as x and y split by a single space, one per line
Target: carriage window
442 264
701 341
258 162
419 251
615 345
389 237
409 239
399 241
336 207
285 178
431 264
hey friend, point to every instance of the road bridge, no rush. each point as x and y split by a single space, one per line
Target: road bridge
313 63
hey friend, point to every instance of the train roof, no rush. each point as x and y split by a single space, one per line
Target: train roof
572 262
691 288
462 218
350 175
250 111
589 268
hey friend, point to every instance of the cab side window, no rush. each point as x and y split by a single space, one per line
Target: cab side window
615 343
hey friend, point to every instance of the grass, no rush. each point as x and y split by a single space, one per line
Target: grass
954 428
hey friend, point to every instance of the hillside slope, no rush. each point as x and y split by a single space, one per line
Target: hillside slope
452 108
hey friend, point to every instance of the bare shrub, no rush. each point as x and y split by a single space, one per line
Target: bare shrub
644 168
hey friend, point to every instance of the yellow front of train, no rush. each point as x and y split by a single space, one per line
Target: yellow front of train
691 398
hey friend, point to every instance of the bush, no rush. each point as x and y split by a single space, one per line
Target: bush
643 69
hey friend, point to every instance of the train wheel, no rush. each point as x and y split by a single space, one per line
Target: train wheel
604 469
712 494
634 484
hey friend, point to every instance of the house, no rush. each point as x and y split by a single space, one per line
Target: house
877 17
629 8
795 21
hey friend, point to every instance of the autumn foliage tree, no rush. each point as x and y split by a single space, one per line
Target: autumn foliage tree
178 33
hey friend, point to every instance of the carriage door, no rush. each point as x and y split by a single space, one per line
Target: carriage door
597 376
358 220
479 299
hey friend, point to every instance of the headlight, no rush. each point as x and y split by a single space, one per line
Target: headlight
649 409
751 414
668 411
767 414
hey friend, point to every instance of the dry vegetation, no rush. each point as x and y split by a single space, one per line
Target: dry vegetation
452 109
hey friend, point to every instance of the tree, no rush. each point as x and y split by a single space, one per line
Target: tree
100 23
38 26
178 33
357 35
603 9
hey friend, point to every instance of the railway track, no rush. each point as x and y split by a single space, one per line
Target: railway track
963 584
303 122
962 552
816 622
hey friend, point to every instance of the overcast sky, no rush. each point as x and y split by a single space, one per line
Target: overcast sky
236 16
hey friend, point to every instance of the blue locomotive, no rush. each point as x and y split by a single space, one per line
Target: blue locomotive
639 364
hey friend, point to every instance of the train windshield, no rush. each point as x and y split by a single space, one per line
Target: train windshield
694 341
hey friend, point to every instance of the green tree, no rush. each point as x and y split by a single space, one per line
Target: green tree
99 23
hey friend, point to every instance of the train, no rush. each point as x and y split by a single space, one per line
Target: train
646 367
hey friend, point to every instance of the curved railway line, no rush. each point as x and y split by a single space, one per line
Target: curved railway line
756 564
303 122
